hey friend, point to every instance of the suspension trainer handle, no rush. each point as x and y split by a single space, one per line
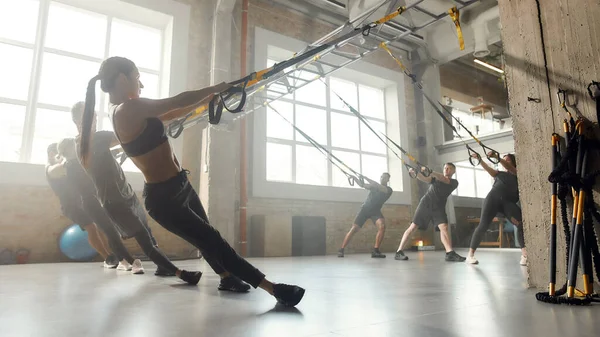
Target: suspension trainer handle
412 172
175 128
473 161
495 157
425 171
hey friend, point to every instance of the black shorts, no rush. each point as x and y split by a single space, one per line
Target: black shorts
364 215
78 216
425 215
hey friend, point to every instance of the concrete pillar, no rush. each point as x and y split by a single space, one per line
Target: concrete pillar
567 58
222 151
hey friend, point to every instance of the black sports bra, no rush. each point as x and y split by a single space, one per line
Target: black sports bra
152 136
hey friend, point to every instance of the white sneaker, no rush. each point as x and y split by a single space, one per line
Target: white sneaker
471 260
523 261
136 267
124 265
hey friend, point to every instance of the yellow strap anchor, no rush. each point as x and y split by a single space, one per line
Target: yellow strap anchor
455 16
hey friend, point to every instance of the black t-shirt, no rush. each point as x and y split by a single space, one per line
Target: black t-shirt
67 195
438 193
507 185
376 198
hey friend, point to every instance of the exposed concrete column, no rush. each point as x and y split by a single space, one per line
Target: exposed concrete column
198 77
222 152
571 57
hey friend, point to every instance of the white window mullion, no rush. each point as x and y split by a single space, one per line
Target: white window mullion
329 142
34 81
103 110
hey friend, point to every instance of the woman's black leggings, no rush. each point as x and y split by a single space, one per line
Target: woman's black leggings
132 215
175 205
493 204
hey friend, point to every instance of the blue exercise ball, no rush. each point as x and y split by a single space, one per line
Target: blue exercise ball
73 242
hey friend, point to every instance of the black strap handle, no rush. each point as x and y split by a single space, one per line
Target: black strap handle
595 95
474 161
412 172
495 157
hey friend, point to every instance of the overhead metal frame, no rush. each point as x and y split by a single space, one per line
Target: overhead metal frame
327 62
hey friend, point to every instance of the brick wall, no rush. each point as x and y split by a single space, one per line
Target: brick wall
31 219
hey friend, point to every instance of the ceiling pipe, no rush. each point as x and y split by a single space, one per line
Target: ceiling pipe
481 31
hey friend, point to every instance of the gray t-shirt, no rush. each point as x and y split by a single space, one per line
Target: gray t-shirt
105 171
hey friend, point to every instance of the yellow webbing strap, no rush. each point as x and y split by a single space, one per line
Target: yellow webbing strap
385 47
392 15
455 16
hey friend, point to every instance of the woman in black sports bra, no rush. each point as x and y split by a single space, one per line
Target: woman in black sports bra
170 199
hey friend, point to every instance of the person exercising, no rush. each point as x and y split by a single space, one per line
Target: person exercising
432 209
120 202
379 193
170 198
72 207
502 198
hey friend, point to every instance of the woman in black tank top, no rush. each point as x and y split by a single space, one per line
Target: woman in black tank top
502 198
170 199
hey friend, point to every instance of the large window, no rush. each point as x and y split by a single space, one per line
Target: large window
321 114
49 53
473 181
477 123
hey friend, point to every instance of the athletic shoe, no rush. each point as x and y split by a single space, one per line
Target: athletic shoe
124 265
136 267
376 254
233 284
341 252
400 256
471 260
191 277
163 272
111 262
453 257
523 261
288 295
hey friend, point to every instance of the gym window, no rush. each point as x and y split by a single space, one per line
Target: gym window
321 114
50 51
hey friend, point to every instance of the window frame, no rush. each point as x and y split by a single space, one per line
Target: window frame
361 72
298 140
172 17
39 48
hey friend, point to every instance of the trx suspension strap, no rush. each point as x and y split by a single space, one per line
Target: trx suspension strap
240 87
352 175
571 171
455 16
494 158
424 170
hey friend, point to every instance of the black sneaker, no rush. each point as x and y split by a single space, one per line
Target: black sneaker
234 284
191 277
453 257
341 252
163 272
400 256
288 295
111 262
376 254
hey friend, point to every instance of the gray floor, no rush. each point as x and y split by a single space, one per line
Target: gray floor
354 296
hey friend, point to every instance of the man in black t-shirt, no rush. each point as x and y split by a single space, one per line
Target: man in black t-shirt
379 193
432 208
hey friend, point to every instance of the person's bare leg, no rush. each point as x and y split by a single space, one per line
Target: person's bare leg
406 236
95 241
380 232
445 237
349 235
